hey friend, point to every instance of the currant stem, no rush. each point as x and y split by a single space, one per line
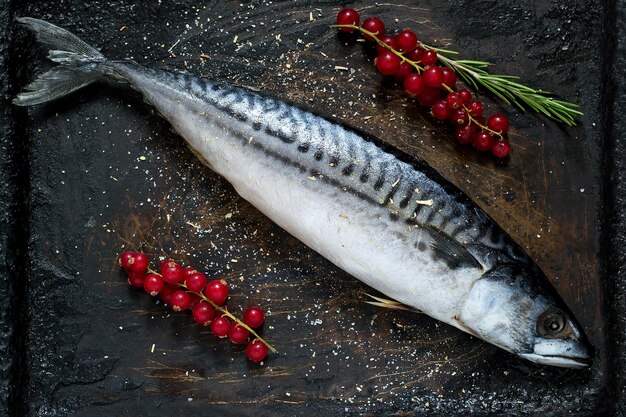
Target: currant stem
383 44
483 127
228 314
224 312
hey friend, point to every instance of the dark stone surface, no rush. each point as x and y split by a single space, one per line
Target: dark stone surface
6 214
614 169
105 171
13 225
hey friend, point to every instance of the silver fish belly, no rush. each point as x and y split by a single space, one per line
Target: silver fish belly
387 219
360 207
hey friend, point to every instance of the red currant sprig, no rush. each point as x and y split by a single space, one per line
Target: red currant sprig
411 62
187 288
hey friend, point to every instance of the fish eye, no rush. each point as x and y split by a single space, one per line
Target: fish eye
550 323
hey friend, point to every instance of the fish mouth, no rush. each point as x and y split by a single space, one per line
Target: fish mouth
575 362
562 353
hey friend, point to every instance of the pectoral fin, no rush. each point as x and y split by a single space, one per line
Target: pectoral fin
453 253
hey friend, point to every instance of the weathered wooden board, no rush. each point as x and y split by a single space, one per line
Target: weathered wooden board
106 172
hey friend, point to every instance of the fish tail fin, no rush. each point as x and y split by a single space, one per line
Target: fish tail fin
78 61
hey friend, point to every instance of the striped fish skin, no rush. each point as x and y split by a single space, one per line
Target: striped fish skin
325 185
390 221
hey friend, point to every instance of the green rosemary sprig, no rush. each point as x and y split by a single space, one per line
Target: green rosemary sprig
475 74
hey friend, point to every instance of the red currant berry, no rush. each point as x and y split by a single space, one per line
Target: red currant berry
414 84
498 123
217 291
374 25
483 141
253 317
440 110
237 333
139 262
388 40
429 96
433 77
465 134
404 71
459 117
406 40
256 351
196 282
501 149
153 284
172 272
203 313
195 299
428 56
475 108
180 300
387 63
348 17
454 101
166 293
135 278
220 326
188 272
465 95
414 55
449 77
125 257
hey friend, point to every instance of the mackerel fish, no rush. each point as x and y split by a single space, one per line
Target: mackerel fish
388 220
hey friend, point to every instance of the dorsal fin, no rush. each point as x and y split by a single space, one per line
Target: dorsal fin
453 253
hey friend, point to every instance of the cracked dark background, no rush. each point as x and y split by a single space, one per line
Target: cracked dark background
98 170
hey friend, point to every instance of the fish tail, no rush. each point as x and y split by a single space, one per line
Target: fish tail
79 64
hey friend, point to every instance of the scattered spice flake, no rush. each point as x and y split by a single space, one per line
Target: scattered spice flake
205 56
425 202
235 38
195 226
152 348
123 28
172 47
338 67
311 17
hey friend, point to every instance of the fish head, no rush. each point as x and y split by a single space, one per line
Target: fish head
513 306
